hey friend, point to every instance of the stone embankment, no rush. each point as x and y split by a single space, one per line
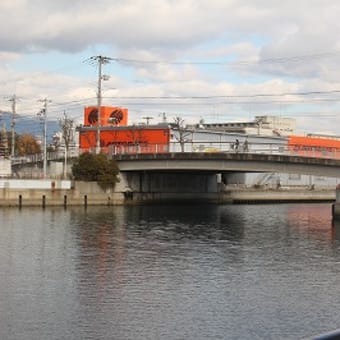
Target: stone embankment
25 193
287 194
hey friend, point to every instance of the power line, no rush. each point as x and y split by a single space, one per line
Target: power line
282 94
226 62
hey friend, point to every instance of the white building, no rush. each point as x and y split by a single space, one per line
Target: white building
262 125
216 139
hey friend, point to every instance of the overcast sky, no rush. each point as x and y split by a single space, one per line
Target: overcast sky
217 60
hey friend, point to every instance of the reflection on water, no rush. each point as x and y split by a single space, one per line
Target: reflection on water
169 272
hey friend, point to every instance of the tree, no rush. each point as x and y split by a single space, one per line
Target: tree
183 134
95 167
66 125
27 145
136 138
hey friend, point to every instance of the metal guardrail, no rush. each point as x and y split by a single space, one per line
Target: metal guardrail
39 157
203 146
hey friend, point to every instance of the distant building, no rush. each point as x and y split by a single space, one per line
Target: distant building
115 131
262 125
264 134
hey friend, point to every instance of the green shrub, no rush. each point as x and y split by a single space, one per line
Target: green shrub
98 168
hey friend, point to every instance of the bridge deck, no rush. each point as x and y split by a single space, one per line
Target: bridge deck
228 161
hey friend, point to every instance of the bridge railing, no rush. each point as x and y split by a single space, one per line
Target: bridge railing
203 146
38 157
211 147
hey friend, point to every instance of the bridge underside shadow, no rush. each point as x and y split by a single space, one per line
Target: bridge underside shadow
162 187
165 186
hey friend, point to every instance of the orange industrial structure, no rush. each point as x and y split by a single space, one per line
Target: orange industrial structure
115 133
316 146
121 137
326 142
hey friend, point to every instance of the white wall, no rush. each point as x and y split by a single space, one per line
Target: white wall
5 168
34 184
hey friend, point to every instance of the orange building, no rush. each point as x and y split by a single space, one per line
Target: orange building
117 135
316 146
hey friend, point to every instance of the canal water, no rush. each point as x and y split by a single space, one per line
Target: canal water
169 272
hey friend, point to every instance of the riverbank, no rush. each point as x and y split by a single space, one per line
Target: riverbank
46 193
286 194
27 193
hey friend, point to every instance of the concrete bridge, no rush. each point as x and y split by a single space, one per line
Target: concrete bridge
192 175
212 175
194 162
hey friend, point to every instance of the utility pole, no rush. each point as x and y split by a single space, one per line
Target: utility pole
66 125
43 115
101 60
13 100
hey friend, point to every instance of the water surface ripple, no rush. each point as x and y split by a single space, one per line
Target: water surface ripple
169 272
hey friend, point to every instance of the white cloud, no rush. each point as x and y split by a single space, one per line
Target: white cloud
264 47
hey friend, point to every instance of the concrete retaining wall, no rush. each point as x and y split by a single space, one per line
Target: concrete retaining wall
90 193
302 195
80 193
